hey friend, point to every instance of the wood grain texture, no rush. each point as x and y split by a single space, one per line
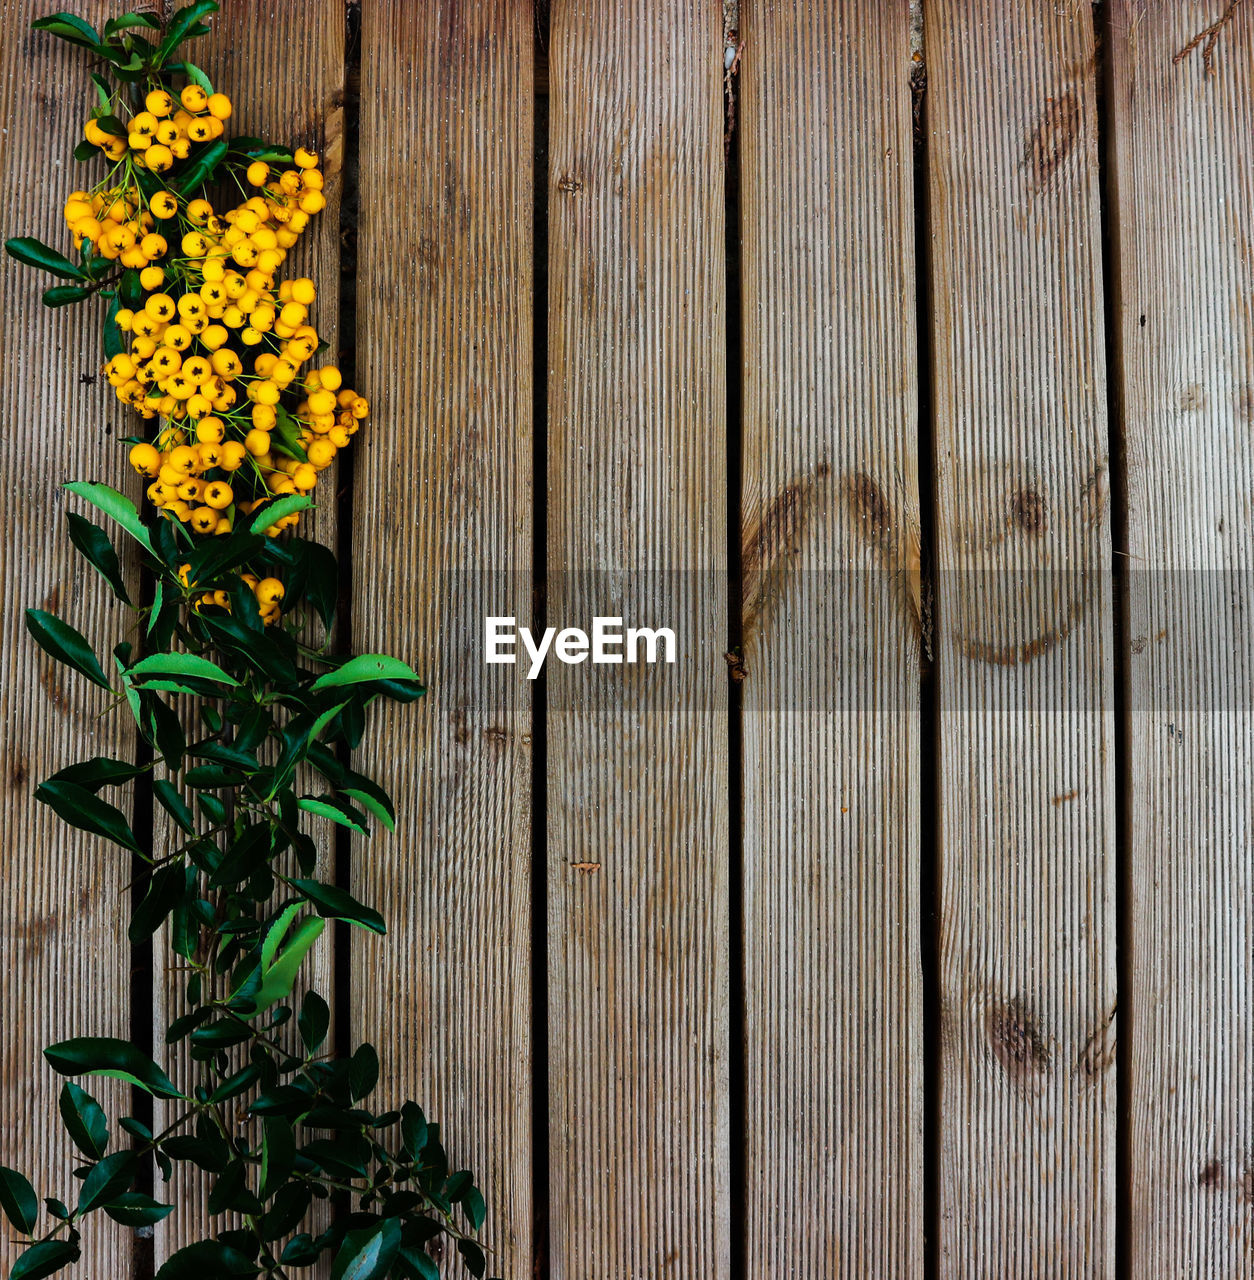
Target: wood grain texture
834 1126
637 755
283 69
1183 194
442 539
1024 660
63 950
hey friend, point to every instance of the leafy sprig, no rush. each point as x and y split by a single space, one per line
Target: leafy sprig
248 730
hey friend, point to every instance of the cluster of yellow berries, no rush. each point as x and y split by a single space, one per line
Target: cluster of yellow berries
165 130
268 592
219 352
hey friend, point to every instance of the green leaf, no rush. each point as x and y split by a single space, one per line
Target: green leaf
94 545
197 76
134 1209
182 665
202 168
324 808
277 932
377 803
69 26
112 339
99 771
363 669
475 1209
209 1258
62 642
167 890
62 295
127 20
174 805
314 1020
34 253
44 1259
473 1257
18 1200
107 1180
413 1130
84 1121
421 1261
275 511
88 812
279 979
105 1056
182 23
278 1155
368 1254
363 1072
114 505
339 905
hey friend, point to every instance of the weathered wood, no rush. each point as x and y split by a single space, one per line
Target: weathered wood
64 955
442 539
283 69
638 775
831 701
1182 198
1024 659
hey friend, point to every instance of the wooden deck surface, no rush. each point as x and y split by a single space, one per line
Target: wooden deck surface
911 367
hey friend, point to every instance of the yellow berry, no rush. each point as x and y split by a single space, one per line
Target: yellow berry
145 459
219 106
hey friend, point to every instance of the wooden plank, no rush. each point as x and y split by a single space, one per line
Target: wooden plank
1184 188
442 539
834 1126
63 950
284 73
1025 687
638 781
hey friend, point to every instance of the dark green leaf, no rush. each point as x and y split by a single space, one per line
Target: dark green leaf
313 1021
363 1072
339 905
99 771
202 168
209 1258
166 890
278 1155
34 253
128 20
63 295
88 812
134 1209
70 27
105 1056
422 1263
107 1181
18 1200
183 22
66 645
368 1254
92 541
413 1130
44 1259
473 1257
174 805
84 1121
475 1209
